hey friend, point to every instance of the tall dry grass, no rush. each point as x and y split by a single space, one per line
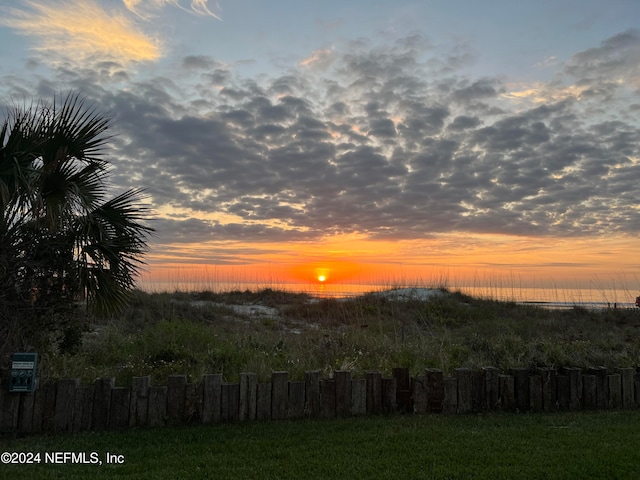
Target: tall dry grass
205 332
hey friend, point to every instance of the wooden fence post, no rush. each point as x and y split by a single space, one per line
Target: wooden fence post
521 388
25 420
248 391
549 394
38 405
492 387
359 396
312 393
193 403
211 398
43 408
450 397
83 408
65 402
328 397
626 377
279 395
157 413
507 393
374 392
139 403
343 392
435 390
403 389
589 395
478 391
224 402
263 401
296 400
602 386
575 387
9 405
419 394
49 408
176 394
464 401
230 395
120 406
564 392
102 403
535 393
389 387
615 391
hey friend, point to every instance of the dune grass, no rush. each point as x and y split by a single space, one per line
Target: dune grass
585 445
198 333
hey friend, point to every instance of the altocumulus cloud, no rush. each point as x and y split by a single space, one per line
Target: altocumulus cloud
380 143
387 141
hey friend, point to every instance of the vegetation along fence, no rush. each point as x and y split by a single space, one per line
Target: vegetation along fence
69 407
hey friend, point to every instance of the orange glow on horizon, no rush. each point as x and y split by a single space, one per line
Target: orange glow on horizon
447 260
333 271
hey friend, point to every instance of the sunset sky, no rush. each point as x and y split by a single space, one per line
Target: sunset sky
361 140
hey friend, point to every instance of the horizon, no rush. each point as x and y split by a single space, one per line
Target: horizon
604 292
407 140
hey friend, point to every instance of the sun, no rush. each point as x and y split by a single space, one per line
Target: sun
321 274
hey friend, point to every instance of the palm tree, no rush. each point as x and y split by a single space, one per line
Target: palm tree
61 239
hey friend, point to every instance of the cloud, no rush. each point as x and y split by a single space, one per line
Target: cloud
383 144
320 58
389 164
542 93
548 62
616 59
145 8
82 30
480 89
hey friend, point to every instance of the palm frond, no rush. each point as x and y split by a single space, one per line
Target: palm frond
112 238
79 129
52 186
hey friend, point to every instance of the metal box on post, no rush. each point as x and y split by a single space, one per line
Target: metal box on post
23 372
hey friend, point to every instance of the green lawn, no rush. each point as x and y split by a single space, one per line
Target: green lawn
584 445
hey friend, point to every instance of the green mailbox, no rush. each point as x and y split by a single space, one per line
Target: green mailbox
23 372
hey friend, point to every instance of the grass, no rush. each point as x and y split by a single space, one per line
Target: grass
565 446
204 332
198 333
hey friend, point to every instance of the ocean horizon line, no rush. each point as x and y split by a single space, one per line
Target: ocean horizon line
557 296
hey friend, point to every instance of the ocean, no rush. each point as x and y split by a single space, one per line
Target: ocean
550 297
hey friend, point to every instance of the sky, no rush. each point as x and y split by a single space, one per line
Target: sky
364 141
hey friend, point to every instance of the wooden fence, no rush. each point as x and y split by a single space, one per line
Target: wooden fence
69 407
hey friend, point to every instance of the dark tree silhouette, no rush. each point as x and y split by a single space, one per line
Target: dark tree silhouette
61 239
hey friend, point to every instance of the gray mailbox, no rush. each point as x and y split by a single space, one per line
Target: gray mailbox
23 372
